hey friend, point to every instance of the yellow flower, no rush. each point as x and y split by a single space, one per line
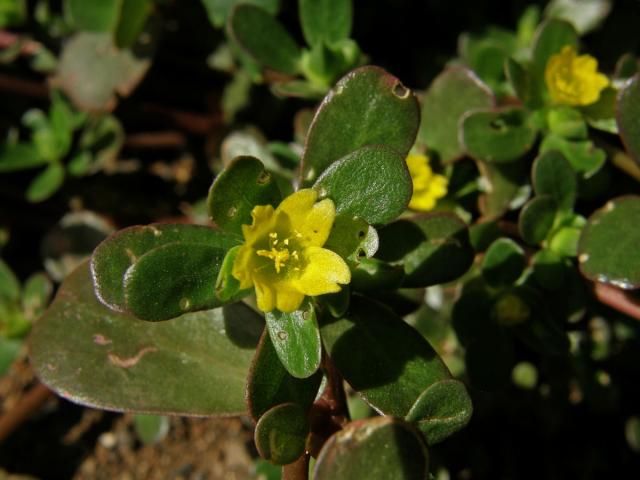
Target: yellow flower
282 255
428 187
574 79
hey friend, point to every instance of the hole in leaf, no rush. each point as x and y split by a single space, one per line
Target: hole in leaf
400 90
264 177
361 234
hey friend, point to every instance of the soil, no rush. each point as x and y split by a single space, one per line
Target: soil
61 440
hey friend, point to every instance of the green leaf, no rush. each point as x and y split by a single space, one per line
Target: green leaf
536 219
327 21
442 409
19 156
92 72
628 117
372 183
133 17
584 15
46 183
227 286
102 138
567 122
9 284
97 357
218 10
352 238
281 433
550 37
433 248
360 99
608 248
497 135
506 187
36 294
585 158
114 256
373 275
299 89
264 38
94 15
383 358
13 13
173 279
525 85
150 428
503 262
381 448
9 350
601 115
453 93
241 186
553 175
296 338
269 384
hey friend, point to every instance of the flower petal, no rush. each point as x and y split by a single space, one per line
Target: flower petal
288 299
263 222
322 273
265 296
242 266
312 221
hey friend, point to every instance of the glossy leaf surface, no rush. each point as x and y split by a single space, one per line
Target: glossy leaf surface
536 219
380 448
281 433
553 175
628 116
360 99
97 357
296 338
241 186
608 249
372 183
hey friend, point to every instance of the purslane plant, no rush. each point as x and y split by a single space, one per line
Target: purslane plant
311 260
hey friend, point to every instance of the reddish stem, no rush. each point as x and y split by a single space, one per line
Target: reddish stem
617 299
298 470
27 405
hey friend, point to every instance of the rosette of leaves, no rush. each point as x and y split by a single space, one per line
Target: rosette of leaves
20 306
63 142
105 341
293 70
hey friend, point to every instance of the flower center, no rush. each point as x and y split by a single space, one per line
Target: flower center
278 251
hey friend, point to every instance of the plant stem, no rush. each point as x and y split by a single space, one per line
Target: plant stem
298 470
27 405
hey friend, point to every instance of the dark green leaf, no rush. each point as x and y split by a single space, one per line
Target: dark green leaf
553 175
97 357
352 238
442 409
628 117
503 262
133 17
550 37
525 84
585 158
218 10
46 183
497 135
325 20
536 219
601 115
296 338
281 433
433 248
384 359
608 249
507 187
94 15
371 274
113 257
372 183
241 186
453 93
264 38
360 100
173 279
9 350
270 384
381 448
